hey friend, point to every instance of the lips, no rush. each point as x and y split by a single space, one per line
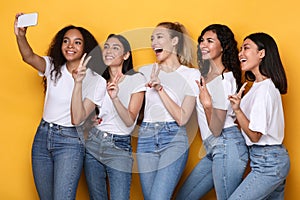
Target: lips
243 60
158 50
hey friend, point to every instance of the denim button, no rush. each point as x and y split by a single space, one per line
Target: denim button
104 135
50 124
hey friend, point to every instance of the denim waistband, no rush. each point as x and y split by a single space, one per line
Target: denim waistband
56 126
159 124
104 134
275 146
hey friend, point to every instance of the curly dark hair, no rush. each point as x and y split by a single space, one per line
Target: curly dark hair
230 57
271 65
55 52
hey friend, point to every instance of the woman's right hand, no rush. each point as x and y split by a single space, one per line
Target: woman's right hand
19 31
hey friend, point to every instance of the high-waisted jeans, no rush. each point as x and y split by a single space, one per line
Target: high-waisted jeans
162 154
269 168
57 160
108 156
222 168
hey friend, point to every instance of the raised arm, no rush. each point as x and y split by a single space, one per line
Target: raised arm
215 117
181 113
129 115
26 51
80 110
241 117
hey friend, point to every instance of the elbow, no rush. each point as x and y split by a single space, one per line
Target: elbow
129 123
255 137
75 121
181 122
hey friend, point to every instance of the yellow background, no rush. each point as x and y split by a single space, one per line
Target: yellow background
21 97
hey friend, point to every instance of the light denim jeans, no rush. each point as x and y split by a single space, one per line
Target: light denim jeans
222 168
269 168
162 153
57 160
108 156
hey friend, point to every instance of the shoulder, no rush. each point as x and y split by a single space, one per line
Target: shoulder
145 68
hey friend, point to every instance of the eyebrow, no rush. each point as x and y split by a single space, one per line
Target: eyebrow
75 38
114 44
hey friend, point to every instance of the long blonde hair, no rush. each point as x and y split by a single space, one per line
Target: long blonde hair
184 46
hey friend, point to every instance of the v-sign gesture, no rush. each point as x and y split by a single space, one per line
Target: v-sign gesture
154 80
204 95
235 99
79 73
112 87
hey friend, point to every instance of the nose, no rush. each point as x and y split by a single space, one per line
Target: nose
70 45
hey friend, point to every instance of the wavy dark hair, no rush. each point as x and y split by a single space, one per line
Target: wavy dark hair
55 52
230 52
271 65
127 67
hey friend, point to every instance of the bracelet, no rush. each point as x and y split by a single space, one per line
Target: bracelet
160 89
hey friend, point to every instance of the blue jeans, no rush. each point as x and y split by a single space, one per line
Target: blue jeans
57 160
222 167
162 153
108 156
269 168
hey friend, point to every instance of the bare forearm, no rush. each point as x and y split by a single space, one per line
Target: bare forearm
78 113
24 48
29 56
127 117
217 121
181 114
244 124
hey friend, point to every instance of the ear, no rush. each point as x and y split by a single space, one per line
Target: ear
174 41
126 55
262 53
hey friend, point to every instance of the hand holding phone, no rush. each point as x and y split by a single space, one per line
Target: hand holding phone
26 20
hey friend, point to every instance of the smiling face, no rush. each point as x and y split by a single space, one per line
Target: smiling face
162 43
72 45
113 52
250 57
210 46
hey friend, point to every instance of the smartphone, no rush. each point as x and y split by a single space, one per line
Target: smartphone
26 20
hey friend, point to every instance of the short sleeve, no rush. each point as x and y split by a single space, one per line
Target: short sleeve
48 66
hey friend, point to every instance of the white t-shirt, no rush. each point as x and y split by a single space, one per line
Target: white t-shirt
263 107
57 105
219 88
177 85
111 121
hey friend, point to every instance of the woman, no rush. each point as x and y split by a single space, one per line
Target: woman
57 151
108 146
260 115
170 99
226 152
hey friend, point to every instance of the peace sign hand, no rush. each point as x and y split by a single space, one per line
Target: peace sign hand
204 95
79 73
113 88
235 99
154 80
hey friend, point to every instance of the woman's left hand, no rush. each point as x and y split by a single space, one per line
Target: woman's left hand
113 88
235 99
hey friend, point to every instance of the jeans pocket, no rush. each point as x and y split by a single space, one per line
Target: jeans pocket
122 144
243 151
